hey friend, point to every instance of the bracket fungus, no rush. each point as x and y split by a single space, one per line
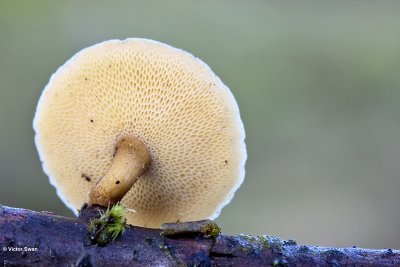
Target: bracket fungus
143 123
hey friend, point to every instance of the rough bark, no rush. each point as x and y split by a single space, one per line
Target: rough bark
31 238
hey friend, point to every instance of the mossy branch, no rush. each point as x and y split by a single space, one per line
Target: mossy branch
42 239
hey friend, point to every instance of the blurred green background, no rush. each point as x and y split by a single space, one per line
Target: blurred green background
317 83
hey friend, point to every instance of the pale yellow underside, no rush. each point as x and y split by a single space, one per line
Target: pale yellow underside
166 97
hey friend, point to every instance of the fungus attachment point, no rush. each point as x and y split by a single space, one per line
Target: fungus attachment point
131 160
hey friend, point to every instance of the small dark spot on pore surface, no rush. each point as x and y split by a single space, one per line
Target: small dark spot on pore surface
109 66
85 79
226 162
91 120
87 178
117 182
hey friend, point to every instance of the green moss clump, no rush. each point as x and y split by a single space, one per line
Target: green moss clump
211 229
109 226
270 242
264 242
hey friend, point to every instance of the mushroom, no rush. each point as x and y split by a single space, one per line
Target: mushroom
143 123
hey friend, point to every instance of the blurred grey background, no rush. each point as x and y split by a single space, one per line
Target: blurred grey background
318 86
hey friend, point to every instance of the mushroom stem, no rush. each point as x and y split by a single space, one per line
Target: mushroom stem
131 160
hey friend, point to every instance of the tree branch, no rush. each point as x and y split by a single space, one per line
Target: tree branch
43 239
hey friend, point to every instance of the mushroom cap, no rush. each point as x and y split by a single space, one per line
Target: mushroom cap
166 97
